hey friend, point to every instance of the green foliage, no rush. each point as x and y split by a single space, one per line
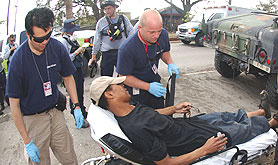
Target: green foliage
187 17
2 21
270 7
83 11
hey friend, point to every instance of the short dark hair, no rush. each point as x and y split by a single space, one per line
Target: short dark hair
11 36
103 101
40 17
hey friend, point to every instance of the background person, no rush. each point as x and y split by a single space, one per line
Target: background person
33 92
76 55
2 87
139 57
162 136
111 31
10 48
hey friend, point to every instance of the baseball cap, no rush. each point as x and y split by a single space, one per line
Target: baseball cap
100 84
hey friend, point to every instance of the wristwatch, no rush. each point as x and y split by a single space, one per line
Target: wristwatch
75 105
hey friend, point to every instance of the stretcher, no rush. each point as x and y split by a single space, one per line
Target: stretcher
106 131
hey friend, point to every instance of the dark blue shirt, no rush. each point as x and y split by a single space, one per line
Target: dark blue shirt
134 60
24 81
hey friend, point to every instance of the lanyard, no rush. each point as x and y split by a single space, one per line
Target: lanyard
146 43
38 67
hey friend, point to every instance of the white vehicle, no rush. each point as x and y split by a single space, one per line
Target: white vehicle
189 31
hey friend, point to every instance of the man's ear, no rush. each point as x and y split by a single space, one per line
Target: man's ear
109 94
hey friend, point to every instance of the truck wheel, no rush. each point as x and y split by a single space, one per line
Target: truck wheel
271 88
185 42
223 68
199 39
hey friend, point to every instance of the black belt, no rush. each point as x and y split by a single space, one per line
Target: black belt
45 110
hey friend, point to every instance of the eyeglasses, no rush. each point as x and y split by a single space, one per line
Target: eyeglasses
41 39
12 40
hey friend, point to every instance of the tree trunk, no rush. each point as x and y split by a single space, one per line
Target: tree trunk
69 13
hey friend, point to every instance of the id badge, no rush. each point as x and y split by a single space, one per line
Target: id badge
154 68
47 89
135 91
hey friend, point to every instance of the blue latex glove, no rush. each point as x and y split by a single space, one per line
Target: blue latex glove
157 89
173 68
79 119
33 152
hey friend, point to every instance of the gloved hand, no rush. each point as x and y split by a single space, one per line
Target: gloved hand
33 152
157 89
79 119
173 68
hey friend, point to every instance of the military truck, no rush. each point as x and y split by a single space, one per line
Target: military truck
189 31
246 43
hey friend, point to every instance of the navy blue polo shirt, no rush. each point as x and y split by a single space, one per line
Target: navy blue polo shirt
24 80
134 60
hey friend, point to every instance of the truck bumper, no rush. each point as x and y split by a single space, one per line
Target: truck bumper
185 36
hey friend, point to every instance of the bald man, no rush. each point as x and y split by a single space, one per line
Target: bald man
138 60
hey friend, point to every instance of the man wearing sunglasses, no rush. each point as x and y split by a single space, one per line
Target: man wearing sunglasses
139 57
33 92
10 48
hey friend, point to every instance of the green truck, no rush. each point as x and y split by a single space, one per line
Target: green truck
246 43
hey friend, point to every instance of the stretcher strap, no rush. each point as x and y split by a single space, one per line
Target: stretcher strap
235 157
235 160
170 95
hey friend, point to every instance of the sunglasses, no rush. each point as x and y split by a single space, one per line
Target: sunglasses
41 39
12 40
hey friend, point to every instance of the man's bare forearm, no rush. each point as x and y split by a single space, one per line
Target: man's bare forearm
18 119
71 88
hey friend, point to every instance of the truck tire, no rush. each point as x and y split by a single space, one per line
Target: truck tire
271 88
199 39
185 42
223 68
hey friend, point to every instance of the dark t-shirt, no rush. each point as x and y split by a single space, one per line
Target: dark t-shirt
155 135
133 59
24 80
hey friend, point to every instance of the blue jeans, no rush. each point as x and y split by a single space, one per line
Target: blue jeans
238 125
108 61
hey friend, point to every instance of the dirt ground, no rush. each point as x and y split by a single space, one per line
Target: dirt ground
205 89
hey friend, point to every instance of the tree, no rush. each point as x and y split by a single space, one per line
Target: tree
187 5
86 12
270 7
68 4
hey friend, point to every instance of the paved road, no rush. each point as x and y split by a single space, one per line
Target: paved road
199 84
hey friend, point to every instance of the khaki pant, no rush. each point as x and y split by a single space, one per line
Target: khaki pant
49 129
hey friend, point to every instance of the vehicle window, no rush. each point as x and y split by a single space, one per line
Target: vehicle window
216 16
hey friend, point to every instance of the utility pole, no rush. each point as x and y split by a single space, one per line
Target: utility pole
171 18
8 17
15 14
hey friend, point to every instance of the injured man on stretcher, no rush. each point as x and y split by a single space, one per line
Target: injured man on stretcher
168 140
